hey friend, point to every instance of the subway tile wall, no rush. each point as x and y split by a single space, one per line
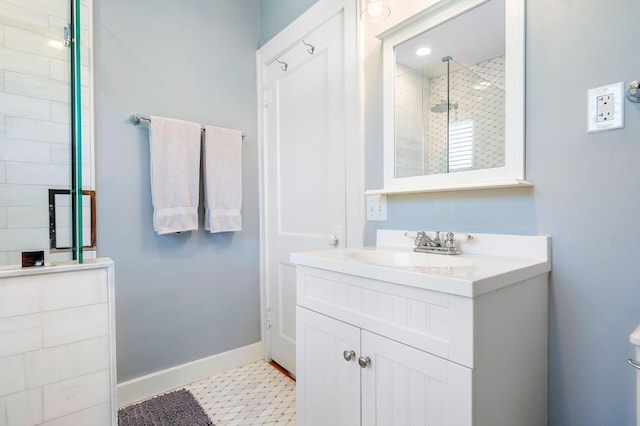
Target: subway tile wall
57 344
35 119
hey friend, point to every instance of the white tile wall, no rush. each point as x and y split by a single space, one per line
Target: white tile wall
71 395
67 361
60 327
24 408
37 130
55 355
24 151
12 373
409 122
59 8
18 195
94 416
35 116
17 16
60 112
3 217
23 239
32 173
20 334
17 61
27 217
43 88
61 293
60 70
32 42
23 106
18 297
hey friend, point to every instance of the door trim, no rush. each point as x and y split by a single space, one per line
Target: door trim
317 15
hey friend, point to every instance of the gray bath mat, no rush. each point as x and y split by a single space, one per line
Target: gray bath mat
178 408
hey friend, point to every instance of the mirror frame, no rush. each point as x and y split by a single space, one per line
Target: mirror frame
513 172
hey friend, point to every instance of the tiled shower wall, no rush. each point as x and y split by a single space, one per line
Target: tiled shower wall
35 119
479 93
411 89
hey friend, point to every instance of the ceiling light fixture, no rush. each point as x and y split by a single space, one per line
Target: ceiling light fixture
374 10
423 51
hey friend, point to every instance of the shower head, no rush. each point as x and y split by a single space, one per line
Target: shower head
442 107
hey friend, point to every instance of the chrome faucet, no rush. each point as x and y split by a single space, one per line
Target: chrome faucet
423 240
425 244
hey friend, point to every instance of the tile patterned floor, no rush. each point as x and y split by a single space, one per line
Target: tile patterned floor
256 394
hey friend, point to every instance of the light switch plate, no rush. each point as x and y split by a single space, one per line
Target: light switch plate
605 108
376 206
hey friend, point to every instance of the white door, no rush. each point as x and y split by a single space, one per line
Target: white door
404 386
304 169
328 383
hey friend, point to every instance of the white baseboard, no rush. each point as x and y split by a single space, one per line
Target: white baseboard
164 381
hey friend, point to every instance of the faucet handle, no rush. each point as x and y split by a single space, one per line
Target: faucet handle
450 242
437 238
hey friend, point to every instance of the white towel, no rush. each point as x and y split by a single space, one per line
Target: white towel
175 172
222 179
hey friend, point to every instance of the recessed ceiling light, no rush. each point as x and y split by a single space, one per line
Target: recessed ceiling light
423 51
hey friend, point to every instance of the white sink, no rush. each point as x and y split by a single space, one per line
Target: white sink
487 263
408 260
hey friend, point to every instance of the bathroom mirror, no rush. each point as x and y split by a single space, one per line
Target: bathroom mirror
454 98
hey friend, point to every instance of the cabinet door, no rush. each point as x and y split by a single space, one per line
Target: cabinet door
405 386
328 386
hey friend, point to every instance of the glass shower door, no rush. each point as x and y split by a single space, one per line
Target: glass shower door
36 127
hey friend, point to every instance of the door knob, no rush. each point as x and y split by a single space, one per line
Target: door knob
364 362
332 240
348 355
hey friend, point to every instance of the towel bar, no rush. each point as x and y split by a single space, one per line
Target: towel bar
137 118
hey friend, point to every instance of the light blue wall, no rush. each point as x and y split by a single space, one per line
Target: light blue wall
586 196
277 14
187 296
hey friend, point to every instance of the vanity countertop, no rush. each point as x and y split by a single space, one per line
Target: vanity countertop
470 274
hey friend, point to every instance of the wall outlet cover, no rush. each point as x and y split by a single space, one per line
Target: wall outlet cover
605 108
376 206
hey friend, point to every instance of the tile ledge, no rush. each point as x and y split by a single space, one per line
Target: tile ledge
16 270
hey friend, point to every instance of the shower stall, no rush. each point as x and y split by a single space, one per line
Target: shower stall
57 318
449 117
46 147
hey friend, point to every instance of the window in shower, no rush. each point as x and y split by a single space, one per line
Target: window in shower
460 155
36 120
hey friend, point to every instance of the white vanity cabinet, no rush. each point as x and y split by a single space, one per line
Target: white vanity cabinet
383 345
401 385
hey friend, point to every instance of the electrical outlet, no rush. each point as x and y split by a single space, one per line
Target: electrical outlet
376 206
605 108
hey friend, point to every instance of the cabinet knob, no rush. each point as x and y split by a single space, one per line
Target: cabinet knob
364 361
348 355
